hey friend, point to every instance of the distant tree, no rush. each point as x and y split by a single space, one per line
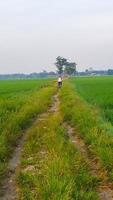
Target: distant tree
110 71
86 70
51 73
90 69
60 63
70 68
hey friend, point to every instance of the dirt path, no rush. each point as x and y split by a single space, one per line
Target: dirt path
8 190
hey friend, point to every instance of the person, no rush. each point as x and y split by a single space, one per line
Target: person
59 81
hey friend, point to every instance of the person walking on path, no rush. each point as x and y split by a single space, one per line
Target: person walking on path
59 82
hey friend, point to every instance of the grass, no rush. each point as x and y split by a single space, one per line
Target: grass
51 168
97 133
17 114
13 88
14 94
97 91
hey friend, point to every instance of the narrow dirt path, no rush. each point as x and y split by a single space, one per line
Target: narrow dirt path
8 190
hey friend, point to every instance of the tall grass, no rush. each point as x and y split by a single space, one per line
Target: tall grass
51 167
14 94
18 116
97 133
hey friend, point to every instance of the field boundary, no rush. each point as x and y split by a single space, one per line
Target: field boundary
104 188
91 139
8 184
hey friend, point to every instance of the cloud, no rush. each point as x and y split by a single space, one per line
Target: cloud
34 33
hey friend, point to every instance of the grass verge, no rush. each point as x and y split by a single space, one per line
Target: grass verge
36 103
97 134
51 168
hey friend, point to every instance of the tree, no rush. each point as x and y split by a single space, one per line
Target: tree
60 63
70 68
110 71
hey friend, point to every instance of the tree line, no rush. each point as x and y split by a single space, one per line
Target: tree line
65 67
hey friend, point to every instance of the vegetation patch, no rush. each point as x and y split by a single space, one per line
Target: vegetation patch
93 129
17 114
97 91
51 168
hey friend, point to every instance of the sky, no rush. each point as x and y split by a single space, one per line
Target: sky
34 32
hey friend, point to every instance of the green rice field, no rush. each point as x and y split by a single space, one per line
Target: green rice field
67 153
97 91
18 106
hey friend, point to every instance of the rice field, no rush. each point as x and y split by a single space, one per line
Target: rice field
18 106
85 113
67 153
97 91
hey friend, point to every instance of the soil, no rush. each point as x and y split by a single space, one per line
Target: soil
8 188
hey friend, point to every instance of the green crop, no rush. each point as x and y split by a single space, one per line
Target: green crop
98 91
20 102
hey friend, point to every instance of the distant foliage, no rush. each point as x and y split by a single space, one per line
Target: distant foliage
110 71
63 66
60 63
70 68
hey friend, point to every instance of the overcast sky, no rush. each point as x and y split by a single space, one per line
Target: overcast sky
34 32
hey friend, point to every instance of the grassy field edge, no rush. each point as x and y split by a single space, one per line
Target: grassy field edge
51 167
37 103
89 124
